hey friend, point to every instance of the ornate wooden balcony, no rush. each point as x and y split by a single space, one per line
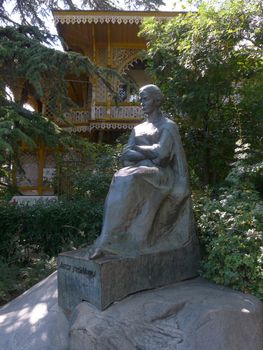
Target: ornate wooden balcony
119 112
103 117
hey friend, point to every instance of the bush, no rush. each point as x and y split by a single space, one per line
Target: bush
230 222
231 238
47 227
88 177
93 181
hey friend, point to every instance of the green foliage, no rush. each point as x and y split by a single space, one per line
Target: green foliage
47 227
16 278
17 126
72 221
31 70
27 63
89 176
93 182
230 221
209 66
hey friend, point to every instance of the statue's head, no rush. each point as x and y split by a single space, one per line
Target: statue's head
154 92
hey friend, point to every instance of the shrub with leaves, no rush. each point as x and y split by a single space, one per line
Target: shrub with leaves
94 181
47 228
230 221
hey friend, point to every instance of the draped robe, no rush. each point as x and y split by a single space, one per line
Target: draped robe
148 206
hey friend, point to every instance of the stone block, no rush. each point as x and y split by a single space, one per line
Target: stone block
103 281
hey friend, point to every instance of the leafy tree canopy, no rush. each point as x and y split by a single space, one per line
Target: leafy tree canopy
209 64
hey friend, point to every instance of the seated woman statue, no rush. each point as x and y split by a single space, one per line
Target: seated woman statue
148 207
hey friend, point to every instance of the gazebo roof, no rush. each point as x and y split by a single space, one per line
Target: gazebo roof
79 29
114 17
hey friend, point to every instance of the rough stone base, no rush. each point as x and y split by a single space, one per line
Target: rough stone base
106 280
190 315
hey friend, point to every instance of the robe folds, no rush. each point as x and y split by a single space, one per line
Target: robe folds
148 206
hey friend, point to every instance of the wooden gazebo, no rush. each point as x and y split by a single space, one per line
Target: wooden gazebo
110 39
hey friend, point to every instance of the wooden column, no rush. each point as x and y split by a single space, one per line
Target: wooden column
94 79
109 64
109 50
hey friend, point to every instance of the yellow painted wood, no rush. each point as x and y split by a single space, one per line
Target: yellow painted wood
118 13
120 45
34 188
94 80
79 35
109 64
93 42
109 53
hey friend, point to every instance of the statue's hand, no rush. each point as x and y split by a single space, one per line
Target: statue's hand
148 151
132 156
128 163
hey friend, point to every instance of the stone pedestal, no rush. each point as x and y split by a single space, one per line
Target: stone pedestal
106 280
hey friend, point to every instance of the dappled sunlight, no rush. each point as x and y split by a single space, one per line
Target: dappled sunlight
45 297
33 320
38 312
23 312
2 318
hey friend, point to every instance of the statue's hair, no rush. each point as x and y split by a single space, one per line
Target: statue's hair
154 90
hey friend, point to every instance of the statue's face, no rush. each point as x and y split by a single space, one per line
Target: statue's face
148 102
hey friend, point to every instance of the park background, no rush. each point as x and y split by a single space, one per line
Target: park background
208 63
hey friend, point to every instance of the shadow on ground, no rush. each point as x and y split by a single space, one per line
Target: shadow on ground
33 321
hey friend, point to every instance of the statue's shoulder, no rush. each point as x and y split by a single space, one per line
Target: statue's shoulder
169 124
169 121
140 126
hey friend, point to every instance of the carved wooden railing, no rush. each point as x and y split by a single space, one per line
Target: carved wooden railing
118 112
103 117
78 116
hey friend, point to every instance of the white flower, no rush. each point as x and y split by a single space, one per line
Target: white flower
252 233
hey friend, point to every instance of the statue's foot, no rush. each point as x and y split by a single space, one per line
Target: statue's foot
100 252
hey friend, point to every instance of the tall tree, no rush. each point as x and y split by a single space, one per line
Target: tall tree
30 70
209 64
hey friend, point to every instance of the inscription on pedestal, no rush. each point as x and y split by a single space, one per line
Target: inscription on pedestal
104 281
82 270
